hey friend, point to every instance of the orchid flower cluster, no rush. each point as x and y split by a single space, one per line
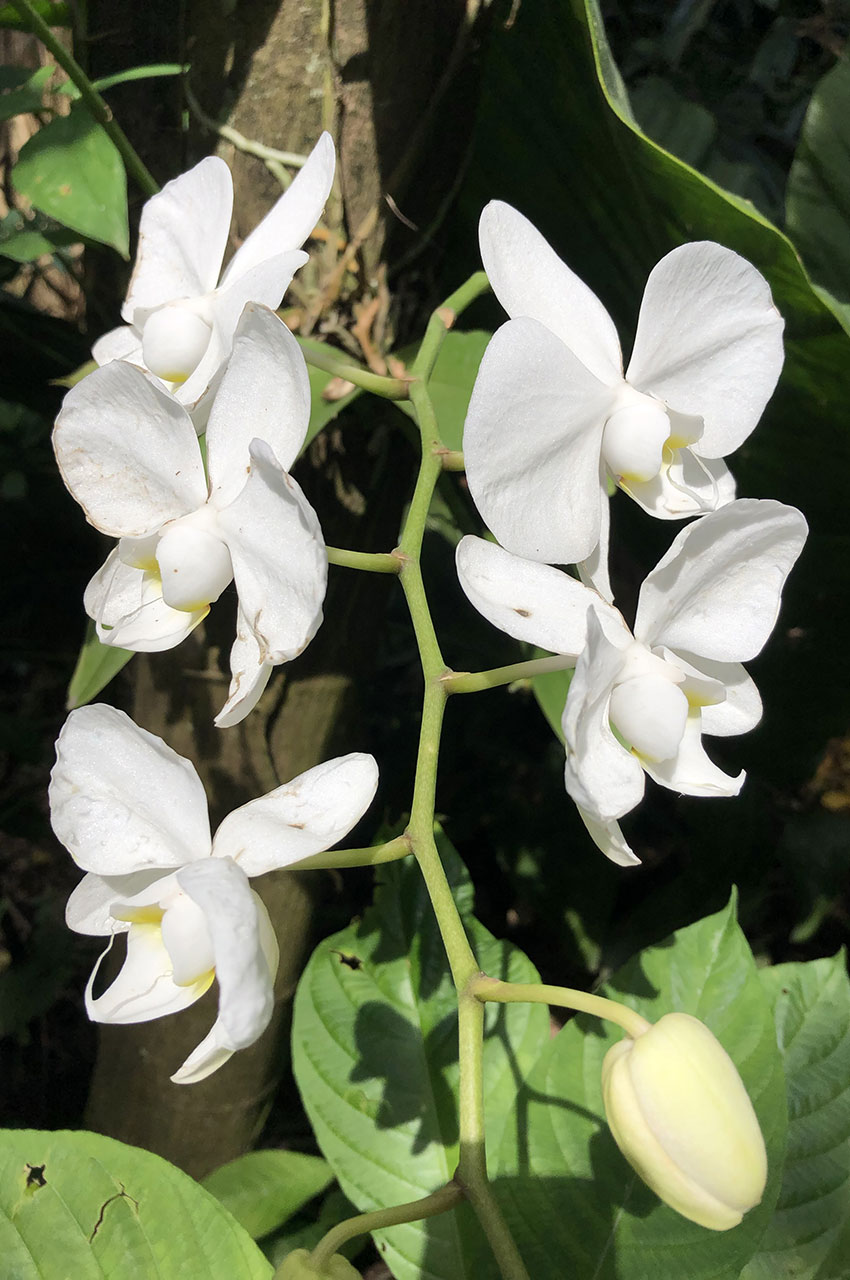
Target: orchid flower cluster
552 420
196 358
554 425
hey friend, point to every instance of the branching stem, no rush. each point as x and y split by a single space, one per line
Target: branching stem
475 681
471 1172
414 1211
324 357
485 989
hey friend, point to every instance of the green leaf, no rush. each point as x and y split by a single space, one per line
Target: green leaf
452 380
264 1188
25 246
811 1005
612 203
551 691
81 1205
23 95
375 1057
322 411
96 666
57 15
682 127
304 1233
817 197
23 242
71 170
570 1172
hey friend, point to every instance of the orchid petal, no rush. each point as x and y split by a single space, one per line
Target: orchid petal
279 561
690 771
144 988
529 279
89 907
128 452
593 570
740 711
709 342
608 837
688 486
250 675
123 343
532 443
129 612
601 775
121 800
301 818
716 593
182 236
264 394
265 284
288 224
245 963
532 602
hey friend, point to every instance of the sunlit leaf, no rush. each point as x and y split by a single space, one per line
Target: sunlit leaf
569 1169
375 1056
263 1189
811 1005
71 170
81 1205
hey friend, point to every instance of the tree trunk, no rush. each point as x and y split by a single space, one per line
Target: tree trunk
367 72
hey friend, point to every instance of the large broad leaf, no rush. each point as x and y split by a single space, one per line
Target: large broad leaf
262 1189
81 1205
374 1048
574 1204
71 170
811 1005
817 198
556 139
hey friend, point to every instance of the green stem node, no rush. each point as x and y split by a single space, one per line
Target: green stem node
372 562
452 459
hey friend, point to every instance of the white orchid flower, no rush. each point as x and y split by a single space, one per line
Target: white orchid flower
708 605
133 815
552 415
180 316
130 456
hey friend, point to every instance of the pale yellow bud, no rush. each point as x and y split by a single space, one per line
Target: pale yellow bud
680 1114
299 1266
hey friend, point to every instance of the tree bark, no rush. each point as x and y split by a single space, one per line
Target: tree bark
287 69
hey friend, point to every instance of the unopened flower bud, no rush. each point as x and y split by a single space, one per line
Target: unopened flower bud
299 1266
680 1114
